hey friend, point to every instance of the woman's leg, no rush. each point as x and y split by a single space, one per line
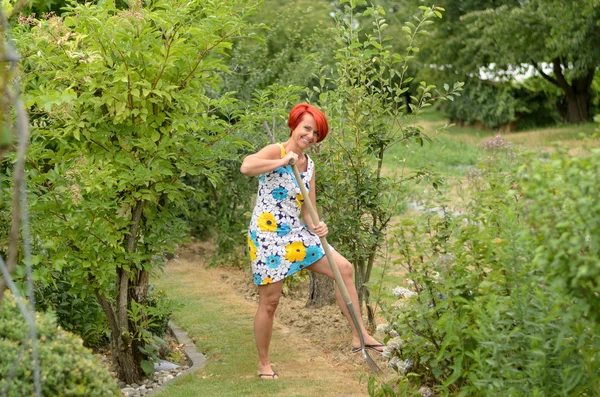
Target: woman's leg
268 298
346 270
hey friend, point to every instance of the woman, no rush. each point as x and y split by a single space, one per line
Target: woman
280 245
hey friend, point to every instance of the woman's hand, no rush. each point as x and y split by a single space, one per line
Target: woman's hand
320 229
290 156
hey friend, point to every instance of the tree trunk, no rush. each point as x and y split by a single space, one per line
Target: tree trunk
123 332
127 369
577 108
138 291
321 291
370 313
577 93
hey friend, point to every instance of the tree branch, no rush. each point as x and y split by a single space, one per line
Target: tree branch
560 77
544 75
18 181
108 310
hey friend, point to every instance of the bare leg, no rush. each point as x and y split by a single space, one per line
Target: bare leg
263 324
346 270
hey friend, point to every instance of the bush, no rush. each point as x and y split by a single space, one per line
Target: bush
74 312
67 367
505 105
564 213
160 310
490 308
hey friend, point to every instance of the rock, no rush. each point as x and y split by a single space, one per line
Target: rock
122 384
164 365
135 385
128 391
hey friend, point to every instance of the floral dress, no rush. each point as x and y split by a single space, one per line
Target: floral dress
278 243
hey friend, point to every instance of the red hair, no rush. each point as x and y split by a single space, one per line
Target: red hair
298 112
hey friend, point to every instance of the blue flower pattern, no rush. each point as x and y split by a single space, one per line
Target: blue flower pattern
273 261
283 229
279 193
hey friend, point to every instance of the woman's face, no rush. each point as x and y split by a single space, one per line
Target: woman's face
305 134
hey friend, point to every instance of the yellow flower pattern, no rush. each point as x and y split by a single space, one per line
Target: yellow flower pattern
266 222
299 200
252 249
295 251
267 280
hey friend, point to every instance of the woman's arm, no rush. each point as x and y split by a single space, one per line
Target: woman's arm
265 160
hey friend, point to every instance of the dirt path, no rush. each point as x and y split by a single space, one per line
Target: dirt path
308 344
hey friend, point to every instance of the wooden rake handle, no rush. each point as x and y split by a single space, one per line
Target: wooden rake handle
334 268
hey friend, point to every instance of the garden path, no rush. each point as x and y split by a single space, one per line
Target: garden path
310 348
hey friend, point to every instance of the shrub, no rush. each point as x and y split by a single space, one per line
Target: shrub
67 367
160 310
564 213
490 308
74 312
509 105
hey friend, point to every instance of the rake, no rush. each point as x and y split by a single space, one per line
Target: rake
336 271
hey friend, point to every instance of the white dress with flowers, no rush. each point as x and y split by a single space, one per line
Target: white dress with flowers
279 244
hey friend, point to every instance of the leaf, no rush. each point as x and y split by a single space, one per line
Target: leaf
147 367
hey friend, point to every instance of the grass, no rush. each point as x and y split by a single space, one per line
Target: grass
446 154
454 152
220 323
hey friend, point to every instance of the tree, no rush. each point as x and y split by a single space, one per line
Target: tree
121 112
368 114
509 35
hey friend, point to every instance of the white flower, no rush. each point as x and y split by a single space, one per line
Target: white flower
387 352
404 366
402 292
424 391
383 328
393 363
395 343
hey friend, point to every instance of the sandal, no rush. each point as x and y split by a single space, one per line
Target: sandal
372 347
273 375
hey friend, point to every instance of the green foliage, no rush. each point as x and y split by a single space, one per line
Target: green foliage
504 105
75 313
368 116
67 368
482 312
564 212
498 35
294 39
121 108
159 309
